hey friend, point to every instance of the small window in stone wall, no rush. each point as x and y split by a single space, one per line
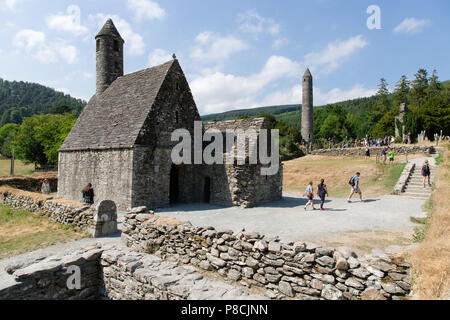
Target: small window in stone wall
177 119
117 67
116 46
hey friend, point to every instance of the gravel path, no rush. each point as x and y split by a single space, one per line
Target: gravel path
290 222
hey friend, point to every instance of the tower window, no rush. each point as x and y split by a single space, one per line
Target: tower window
117 67
116 46
98 44
177 119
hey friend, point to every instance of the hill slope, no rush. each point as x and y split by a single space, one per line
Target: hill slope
24 99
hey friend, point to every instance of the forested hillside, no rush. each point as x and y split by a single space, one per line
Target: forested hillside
24 99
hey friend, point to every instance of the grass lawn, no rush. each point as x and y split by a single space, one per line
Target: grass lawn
19 168
376 179
21 232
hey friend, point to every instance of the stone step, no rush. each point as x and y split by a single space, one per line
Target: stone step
419 189
418 195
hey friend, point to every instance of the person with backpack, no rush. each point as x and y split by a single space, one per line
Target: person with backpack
426 173
310 195
354 182
322 192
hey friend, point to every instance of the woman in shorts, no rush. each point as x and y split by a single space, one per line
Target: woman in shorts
310 195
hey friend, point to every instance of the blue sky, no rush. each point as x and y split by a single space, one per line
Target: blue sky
235 54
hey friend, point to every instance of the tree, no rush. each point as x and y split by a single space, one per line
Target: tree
61 109
270 119
419 86
402 90
39 137
434 87
7 134
386 126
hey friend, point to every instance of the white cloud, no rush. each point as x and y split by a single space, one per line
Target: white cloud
158 56
134 43
34 42
252 22
212 47
338 95
329 59
146 9
69 22
217 92
10 4
411 26
28 39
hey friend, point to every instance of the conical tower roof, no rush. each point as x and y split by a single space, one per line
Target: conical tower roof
307 73
109 29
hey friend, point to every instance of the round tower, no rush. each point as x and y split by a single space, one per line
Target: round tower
109 56
307 110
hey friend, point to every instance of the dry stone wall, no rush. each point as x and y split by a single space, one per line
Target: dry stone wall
57 210
404 178
373 151
48 279
294 270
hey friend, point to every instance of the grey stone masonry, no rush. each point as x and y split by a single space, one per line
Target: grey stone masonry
403 150
308 109
294 270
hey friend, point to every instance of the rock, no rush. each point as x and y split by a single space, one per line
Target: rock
325 261
286 289
311 247
342 264
347 252
324 278
273 278
234 275
324 251
392 288
260 278
261 245
270 270
251 262
274 247
330 292
360 273
36 270
354 283
316 284
248 272
139 210
205 265
216 261
353 263
309 258
372 294
209 234
299 247
375 272
380 254
143 217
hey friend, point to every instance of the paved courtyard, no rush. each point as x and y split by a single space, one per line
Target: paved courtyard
288 220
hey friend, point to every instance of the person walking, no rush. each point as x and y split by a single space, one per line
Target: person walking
88 194
310 195
384 154
391 156
45 188
426 173
322 192
355 183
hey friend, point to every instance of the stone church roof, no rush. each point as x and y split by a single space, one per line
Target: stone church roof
114 118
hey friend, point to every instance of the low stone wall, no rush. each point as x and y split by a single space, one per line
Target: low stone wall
31 184
404 178
57 210
48 279
294 270
113 273
373 151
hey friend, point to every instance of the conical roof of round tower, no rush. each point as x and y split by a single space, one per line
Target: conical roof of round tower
307 73
109 29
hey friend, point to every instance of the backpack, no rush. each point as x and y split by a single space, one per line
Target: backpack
352 182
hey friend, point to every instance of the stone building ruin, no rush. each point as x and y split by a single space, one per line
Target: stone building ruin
121 142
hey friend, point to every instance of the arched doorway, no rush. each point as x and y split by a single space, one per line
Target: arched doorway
174 184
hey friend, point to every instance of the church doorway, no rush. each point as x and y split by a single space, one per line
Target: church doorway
174 184
207 190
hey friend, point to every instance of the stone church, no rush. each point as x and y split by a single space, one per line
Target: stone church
121 142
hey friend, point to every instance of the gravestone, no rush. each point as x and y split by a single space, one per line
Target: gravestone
105 219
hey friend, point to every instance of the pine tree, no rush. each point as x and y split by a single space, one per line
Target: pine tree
402 90
419 87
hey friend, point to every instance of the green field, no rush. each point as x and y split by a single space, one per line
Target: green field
19 168
21 232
